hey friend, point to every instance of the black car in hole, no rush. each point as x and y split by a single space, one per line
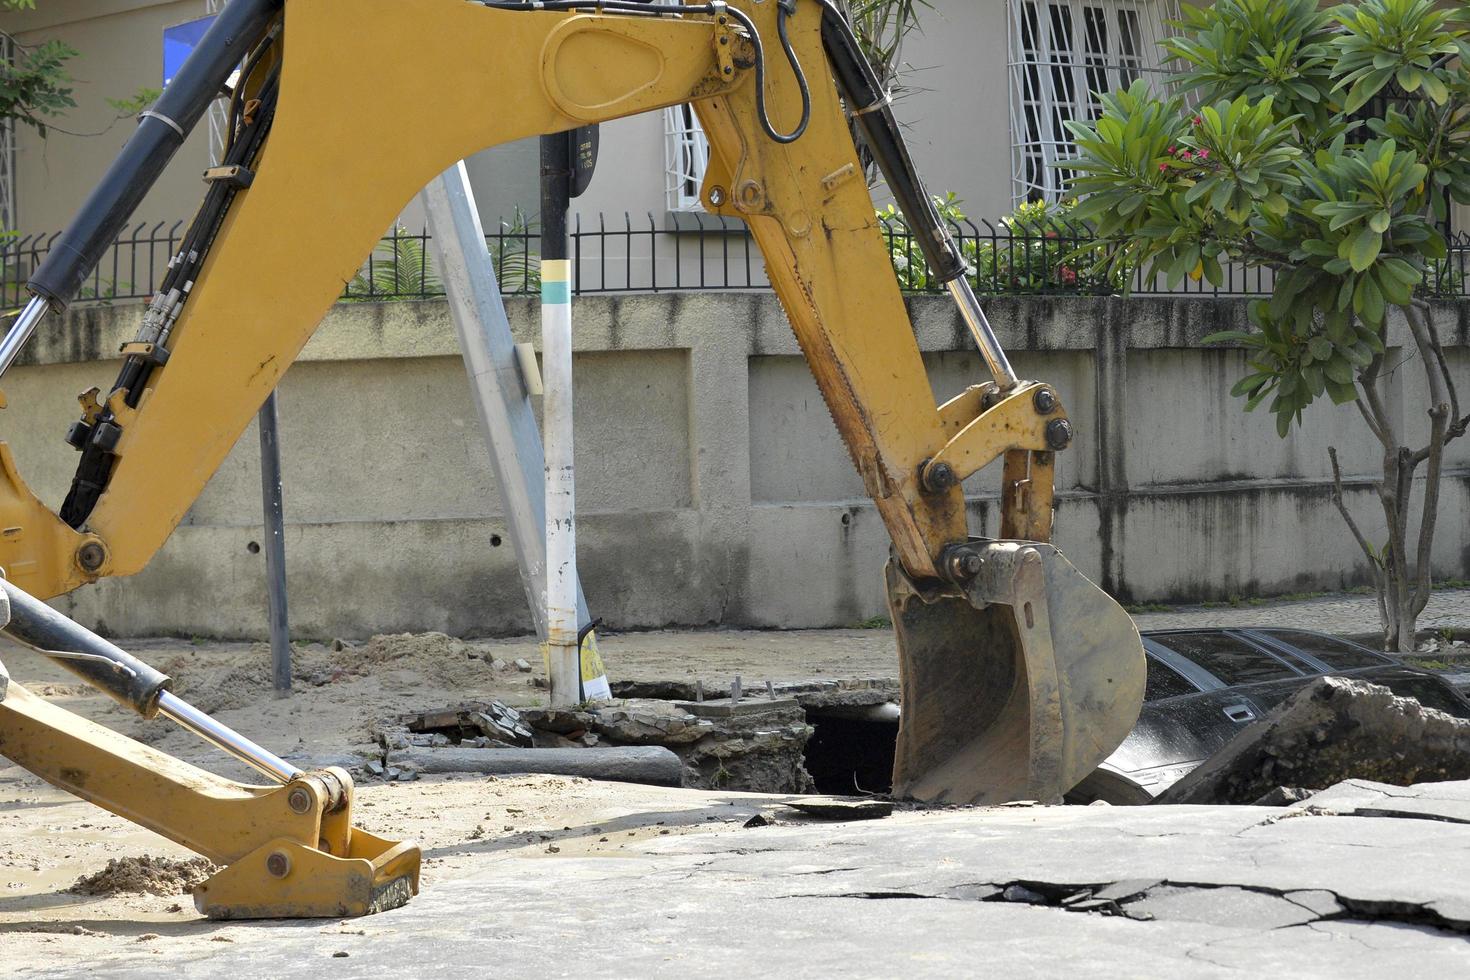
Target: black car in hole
1205 685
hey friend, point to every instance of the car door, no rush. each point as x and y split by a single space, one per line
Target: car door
1187 716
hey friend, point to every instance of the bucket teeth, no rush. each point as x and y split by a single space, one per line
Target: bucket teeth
1016 684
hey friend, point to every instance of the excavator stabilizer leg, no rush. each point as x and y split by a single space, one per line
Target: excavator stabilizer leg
290 850
1016 683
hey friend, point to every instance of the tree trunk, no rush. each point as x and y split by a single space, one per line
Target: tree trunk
1402 572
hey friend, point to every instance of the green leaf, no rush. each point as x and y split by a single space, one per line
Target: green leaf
1380 221
1341 393
1249 383
1363 248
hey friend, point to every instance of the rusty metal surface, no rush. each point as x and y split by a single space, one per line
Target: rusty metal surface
1015 689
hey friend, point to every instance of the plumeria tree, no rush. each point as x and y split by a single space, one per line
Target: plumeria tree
33 84
1326 146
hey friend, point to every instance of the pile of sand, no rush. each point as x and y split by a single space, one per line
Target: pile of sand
146 875
435 660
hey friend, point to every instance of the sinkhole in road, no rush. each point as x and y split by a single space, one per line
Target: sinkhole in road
850 755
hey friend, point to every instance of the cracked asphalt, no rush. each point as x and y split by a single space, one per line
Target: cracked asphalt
1359 881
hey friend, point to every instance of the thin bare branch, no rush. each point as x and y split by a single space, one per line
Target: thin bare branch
1368 380
1457 423
1372 424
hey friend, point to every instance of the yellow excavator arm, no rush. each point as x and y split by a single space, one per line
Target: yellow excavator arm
1019 675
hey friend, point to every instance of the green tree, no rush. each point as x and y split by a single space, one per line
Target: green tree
34 83
881 28
1326 146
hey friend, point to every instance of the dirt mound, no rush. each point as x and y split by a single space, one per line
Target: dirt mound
146 875
433 658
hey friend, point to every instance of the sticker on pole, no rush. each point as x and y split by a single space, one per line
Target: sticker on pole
593 680
595 686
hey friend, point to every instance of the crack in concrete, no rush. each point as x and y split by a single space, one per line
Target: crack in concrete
1078 897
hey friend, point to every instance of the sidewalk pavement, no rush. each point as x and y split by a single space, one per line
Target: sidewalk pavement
1347 614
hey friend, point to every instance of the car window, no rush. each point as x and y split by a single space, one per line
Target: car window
1228 657
1165 682
1427 691
1335 653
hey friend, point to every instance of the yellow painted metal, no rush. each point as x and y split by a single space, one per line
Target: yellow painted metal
327 176
339 870
37 549
826 259
1011 423
1028 485
258 299
329 181
1016 684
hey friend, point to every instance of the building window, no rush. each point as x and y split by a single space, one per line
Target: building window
686 155
1062 53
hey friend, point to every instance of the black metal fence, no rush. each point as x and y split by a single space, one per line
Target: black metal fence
683 252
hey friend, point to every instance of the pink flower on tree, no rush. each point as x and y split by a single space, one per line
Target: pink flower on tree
1186 155
1204 154
1163 167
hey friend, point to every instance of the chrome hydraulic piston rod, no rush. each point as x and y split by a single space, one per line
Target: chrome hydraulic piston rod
226 738
123 677
161 130
21 330
871 107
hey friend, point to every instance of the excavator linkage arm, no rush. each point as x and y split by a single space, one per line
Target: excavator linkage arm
1019 674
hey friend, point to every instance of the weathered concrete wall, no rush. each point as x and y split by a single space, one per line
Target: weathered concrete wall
713 486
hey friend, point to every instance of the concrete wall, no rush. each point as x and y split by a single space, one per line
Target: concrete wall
712 485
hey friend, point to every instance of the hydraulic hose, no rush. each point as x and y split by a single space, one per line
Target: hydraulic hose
869 103
161 130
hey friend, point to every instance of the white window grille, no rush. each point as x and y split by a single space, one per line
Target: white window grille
686 155
1062 53
9 217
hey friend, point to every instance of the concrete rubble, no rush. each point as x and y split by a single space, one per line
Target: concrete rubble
757 746
1333 730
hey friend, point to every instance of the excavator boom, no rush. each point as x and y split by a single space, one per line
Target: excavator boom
1019 675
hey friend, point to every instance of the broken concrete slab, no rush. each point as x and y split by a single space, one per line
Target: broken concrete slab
760 750
795 898
724 707
1332 730
650 765
1283 796
461 722
1447 801
836 808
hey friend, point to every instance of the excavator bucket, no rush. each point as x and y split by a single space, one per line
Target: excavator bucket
1016 684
